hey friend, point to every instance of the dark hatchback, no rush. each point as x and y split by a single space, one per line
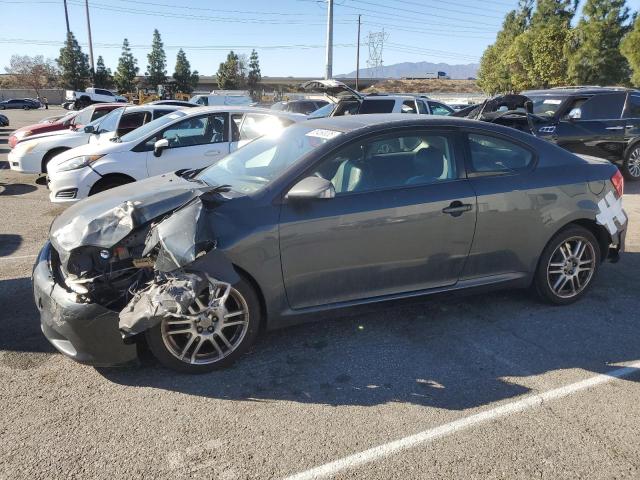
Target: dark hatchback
599 121
23 103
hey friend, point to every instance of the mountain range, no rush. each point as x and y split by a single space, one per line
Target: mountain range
417 69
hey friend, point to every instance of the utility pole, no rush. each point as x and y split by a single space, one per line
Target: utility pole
86 4
66 16
329 71
358 56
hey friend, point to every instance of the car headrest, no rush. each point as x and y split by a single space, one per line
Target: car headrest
429 162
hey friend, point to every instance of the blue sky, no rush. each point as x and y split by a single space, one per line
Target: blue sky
288 34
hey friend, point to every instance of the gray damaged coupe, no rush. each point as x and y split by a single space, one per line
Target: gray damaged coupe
330 213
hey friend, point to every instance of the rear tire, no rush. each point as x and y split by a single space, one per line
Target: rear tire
631 165
568 266
107 183
167 348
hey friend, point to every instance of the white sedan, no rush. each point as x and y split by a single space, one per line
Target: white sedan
32 154
192 138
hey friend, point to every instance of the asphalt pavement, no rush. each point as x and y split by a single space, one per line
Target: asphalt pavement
489 386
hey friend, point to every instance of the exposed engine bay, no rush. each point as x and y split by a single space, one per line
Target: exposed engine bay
136 257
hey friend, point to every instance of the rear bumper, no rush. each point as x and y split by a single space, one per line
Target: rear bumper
616 249
85 332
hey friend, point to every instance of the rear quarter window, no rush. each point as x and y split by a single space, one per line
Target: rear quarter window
496 155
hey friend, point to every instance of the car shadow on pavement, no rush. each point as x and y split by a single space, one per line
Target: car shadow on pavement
9 243
16 188
444 352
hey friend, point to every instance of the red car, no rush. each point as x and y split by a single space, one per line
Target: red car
73 120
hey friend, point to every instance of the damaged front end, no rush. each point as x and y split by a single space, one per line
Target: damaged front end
125 260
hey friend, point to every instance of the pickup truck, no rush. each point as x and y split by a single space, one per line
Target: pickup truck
80 100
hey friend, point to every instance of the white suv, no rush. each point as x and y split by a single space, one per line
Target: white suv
347 101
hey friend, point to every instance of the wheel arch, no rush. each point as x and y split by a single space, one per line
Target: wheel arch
254 284
111 176
49 155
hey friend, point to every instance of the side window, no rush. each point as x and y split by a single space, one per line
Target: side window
100 91
377 106
393 161
603 107
491 154
408 106
130 121
160 113
632 109
197 131
236 121
438 108
99 113
256 125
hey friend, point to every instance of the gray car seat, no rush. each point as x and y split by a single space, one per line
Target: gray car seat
429 163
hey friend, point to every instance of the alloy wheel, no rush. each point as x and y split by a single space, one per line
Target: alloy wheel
571 267
633 163
217 323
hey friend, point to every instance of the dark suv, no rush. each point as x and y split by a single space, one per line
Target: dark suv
599 121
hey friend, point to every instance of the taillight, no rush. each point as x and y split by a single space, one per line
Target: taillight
618 183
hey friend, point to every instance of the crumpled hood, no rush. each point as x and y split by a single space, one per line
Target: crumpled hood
104 219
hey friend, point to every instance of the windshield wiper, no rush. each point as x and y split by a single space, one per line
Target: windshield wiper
116 139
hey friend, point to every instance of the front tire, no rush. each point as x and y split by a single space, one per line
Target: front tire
631 164
213 337
568 266
107 183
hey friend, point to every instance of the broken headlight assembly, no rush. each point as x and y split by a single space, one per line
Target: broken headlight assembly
78 162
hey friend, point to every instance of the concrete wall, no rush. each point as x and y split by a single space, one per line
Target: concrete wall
54 95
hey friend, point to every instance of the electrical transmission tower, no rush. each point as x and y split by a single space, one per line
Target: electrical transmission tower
376 47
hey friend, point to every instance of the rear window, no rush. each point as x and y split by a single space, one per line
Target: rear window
603 107
377 106
491 154
632 109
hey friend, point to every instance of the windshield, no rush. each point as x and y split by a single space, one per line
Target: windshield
109 122
141 132
252 167
69 116
322 111
546 106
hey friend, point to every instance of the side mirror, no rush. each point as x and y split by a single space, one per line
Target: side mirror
311 187
159 146
89 129
575 114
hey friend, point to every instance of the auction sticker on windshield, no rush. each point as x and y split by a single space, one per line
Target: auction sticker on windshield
322 133
552 101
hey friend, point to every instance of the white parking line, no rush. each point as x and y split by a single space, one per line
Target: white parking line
18 257
427 436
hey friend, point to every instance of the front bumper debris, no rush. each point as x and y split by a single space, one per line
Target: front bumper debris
86 332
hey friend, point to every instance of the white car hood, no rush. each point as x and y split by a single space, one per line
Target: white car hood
99 148
54 134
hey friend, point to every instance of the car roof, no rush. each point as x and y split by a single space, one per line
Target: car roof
580 90
242 109
348 123
384 96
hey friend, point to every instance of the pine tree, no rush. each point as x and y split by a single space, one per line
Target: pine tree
560 12
494 73
157 59
254 76
125 76
229 73
595 57
185 80
630 48
102 78
74 65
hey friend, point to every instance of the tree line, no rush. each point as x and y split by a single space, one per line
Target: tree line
538 47
72 70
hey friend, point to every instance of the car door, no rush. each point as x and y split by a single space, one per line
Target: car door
194 142
402 220
599 130
508 213
631 117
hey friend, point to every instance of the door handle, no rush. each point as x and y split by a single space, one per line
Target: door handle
210 153
614 128
629 127
457 208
